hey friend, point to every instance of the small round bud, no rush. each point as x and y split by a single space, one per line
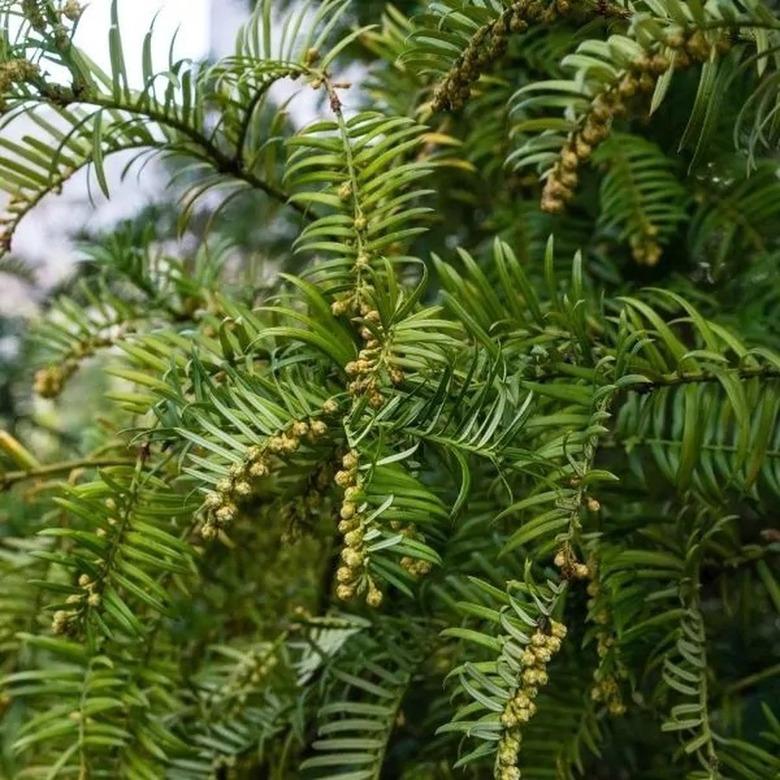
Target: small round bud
350 460
343 478
518 24
345 592
396 376
583 149
299 429
374 597
345 191
258 470
558 630
542 654
345 526
290 443
226 513
275 444
72 10
617 708
569 159
353 493
318 428
351 557
330 406
242 489
212 500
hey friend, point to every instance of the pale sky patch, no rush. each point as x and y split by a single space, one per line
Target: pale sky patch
190 17
202 28
43 237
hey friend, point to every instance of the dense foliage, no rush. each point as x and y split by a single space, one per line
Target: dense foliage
452 449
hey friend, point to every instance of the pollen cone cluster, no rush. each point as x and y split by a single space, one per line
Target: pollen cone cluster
352 575
65 620
13 72
631 89
489 44
221 505
639 81
571 568
372 364
521 707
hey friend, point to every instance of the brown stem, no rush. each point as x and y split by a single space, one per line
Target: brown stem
12 477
